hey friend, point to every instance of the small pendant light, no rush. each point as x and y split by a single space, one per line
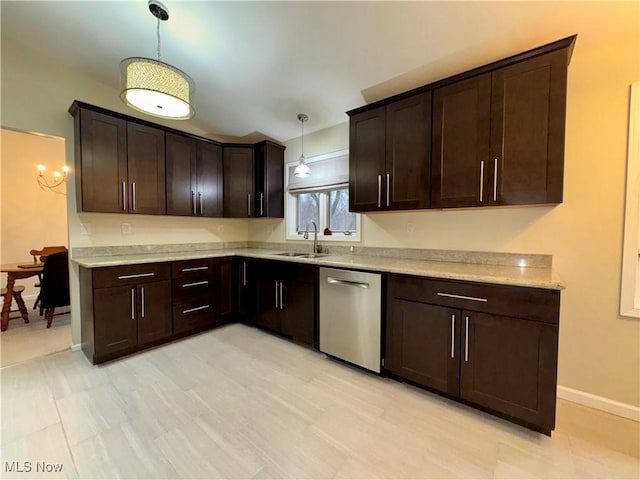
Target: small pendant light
302 170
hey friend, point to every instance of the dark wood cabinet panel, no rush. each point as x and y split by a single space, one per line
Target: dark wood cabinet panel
115 322
193 317
226 293
146 169
269 180
461 122
154 312
423 344
510 367
194 295
298 310
239 197
181 175
246 276
527 130
268 304
407 179
101 162
209 180
367 159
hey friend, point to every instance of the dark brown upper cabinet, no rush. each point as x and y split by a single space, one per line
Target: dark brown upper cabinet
119 165
239 194
499 137
269 173
389 159
194 177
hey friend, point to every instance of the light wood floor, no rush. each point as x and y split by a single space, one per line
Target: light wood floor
239 403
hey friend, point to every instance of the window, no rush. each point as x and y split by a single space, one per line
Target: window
322 198
630 291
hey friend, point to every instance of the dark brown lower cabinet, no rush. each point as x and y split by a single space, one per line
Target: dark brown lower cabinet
286 299
493 356
124 309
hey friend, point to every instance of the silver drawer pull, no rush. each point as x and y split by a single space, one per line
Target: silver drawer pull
453 336
194 269
462 297
196 309
137 275
195 284
348 283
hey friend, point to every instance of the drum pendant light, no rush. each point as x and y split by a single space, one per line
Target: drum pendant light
154 87
302 170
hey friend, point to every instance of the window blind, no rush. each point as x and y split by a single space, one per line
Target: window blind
328 174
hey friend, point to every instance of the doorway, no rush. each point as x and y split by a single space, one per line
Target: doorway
32 216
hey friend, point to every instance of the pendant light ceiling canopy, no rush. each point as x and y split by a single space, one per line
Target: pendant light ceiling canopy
302 170
154 87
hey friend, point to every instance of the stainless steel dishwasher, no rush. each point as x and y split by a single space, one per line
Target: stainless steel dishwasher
350 318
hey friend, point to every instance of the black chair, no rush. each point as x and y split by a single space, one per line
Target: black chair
54 288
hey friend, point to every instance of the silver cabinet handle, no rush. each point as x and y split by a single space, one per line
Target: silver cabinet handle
462 297
244 274
133 196
201 207
261 204
142 300
136 275
133 304
248 205
388 187
379 191
124 196
194 269
281 297
277 299
195 284
481 180
348 283
495 179
196 309
466 338
453 335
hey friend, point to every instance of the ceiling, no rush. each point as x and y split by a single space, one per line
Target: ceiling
257 65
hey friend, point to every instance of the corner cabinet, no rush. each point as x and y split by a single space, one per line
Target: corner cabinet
269 173
488 345
389 159
239 193
119 165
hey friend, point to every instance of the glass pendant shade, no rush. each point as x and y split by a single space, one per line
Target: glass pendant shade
156 88
302 170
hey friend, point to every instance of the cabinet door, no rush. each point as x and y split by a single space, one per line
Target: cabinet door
460 159
299 308
146 169
268 304
367 163
246 288
239 197
270 181
422 344
509 365
154 311
181 175
102 158
209 180
225 287
527 130
407 180
115 319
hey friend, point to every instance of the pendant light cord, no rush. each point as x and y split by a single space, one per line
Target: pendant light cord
158 35
302 139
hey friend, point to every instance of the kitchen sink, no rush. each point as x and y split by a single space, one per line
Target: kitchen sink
291 254
312 255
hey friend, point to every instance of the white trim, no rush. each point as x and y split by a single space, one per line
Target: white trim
76 348
601 403
629 306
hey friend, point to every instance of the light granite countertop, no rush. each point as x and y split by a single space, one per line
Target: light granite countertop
538 277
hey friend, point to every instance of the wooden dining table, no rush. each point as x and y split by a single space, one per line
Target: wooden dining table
16 271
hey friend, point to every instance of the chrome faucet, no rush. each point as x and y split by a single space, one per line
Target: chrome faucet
315 236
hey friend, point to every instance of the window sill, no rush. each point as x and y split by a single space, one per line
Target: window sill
338 237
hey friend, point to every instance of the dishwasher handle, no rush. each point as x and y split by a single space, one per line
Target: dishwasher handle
348 283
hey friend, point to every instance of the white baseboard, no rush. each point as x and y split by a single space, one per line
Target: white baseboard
76 348
601 403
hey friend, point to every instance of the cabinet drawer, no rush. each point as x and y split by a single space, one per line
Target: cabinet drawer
192 290
192 269
523 302
193 316
130 274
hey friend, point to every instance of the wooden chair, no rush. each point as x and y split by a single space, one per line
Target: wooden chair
43 256
54 288
17 296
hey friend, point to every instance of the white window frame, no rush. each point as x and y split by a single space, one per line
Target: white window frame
291 213
630 287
